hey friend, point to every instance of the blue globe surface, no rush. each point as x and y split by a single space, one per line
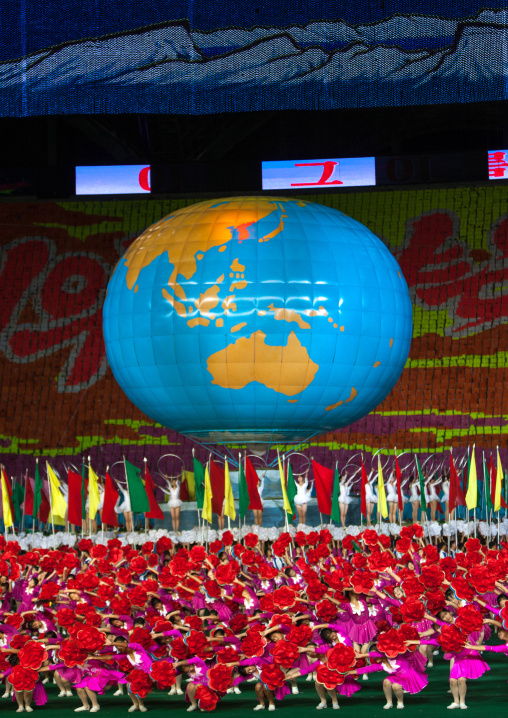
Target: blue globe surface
257 319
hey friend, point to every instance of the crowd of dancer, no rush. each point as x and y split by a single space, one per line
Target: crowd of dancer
198 622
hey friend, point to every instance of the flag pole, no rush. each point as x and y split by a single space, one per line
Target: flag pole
34 518
128 493
449 491
24 505
498 478
197 510
229 520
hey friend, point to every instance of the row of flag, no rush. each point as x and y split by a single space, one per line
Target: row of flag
214 493
58 506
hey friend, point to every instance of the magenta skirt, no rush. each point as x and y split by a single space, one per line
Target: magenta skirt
410 680
72 675
99 681
468 667
282 691
349 687
361 632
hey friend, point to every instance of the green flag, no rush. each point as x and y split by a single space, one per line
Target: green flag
423 502
291 490
335 515
83 491
137 492
356 547
18 496
243 491
37 492
486 485
199 481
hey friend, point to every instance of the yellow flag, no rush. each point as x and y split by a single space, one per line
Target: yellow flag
499 484
382 506
191 484
472 485
93 493
229 502
6 504
207 498
58 503
287 505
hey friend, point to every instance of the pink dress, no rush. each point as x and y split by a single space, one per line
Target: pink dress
359 627
400 671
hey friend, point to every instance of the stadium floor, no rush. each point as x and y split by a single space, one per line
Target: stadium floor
486 698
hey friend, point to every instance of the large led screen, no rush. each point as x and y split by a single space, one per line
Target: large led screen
319 174
196 57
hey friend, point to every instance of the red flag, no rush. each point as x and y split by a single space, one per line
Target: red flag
363 491
217 481
456 493
109 517
323 481
74 481
28 504
44 508
155 510
252 479
398 474
184 491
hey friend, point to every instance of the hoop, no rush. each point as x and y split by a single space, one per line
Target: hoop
118 481
298 453
167 476
265 466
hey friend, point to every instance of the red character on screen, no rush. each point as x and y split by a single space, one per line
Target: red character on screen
328 170
498 165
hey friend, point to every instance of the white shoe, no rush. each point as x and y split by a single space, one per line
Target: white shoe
143 709
46 680
452 706
119 692
132 709
81 709
95 709
229 690
68 694
29 709
271 707
435 653
320 706
365 677
335 706
309 678
259 707
20 710
294 690
179 692
430 664
6 695
463 706
191 708
388 706
237 691
400 706
62 694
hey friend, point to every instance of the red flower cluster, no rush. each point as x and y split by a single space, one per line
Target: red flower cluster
220 677
23 679
272 676
163 673
71 654
139 682
341 658
32 655
284 653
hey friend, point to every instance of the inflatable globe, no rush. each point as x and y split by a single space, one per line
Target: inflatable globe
257 319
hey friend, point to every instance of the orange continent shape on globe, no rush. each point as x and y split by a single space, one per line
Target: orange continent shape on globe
191 231
286 369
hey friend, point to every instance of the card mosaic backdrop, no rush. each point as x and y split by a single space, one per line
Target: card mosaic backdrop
60 400
200 56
